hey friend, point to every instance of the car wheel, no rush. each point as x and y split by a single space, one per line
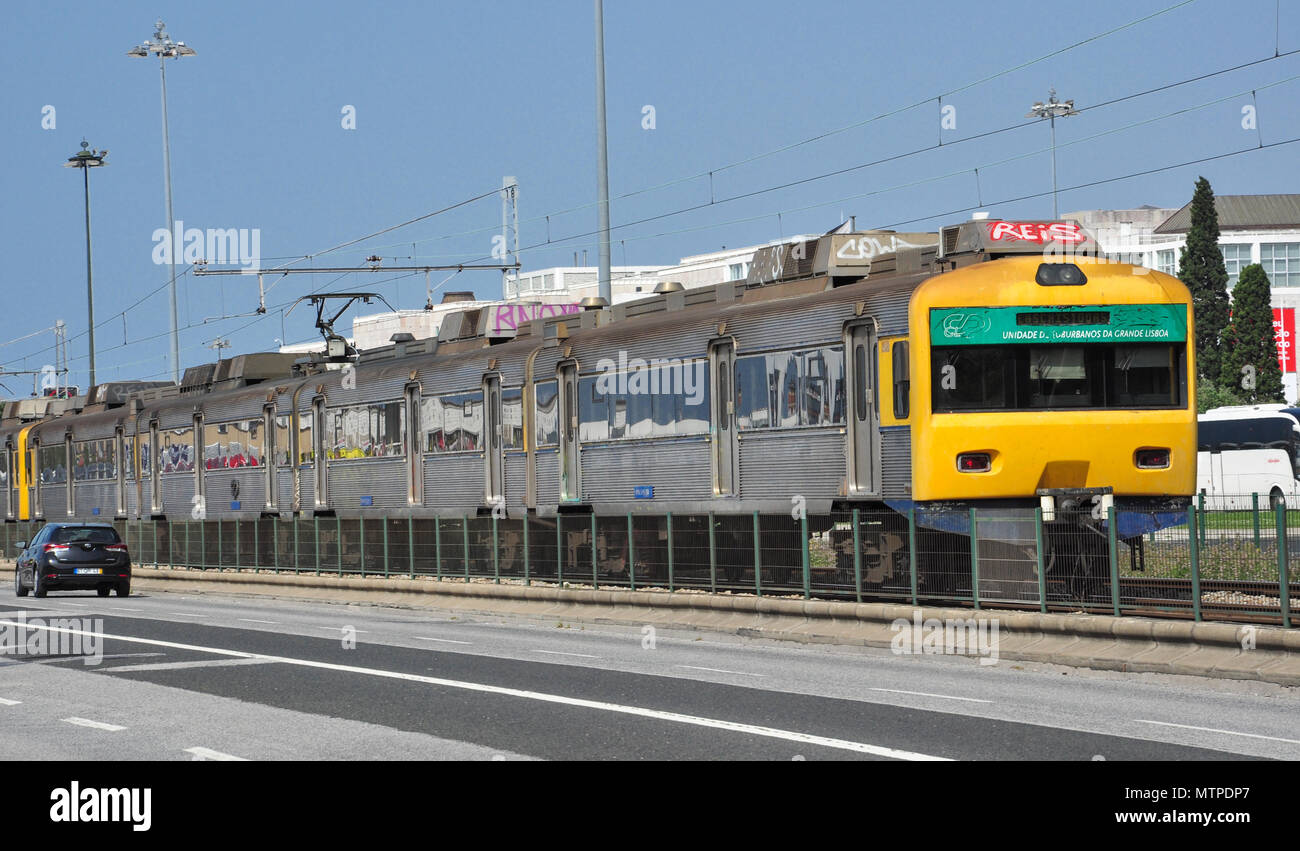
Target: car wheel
39 589
19 588
103 590
123 589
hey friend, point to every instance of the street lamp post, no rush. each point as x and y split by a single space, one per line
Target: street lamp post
165 48
1052 110
86 159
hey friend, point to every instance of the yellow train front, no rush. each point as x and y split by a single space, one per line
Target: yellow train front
1047 377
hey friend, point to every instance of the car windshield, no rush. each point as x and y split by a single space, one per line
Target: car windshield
85 534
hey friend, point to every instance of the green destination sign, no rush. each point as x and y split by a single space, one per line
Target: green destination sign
1117 323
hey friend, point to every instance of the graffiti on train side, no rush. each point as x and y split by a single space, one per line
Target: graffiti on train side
505 319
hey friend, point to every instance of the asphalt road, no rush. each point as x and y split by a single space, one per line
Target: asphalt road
214 677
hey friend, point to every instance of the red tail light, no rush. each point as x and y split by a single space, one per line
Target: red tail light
1152 459
116 548
57 549
974 462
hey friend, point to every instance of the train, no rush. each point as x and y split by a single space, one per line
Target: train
1000 366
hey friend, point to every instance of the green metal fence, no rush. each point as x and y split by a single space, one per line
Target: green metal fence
1206 564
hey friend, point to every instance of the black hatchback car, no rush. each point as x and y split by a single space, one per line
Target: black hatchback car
71 556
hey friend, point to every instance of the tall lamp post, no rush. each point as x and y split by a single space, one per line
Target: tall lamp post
165 48
86 159
1052 110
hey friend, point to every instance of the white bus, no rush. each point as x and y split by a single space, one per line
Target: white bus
1244 452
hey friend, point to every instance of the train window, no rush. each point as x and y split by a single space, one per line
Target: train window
453 423
94 460
654 400
1009 377
593 410
52 462
902 383
548 415
724 421
860 381
366 431
512 418
569 412
128 453
236 444
176 450
791 389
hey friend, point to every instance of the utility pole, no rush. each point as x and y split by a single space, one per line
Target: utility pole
509 202
86 159
1052 110
602 159
164 47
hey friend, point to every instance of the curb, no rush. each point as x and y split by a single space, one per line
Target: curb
1129 644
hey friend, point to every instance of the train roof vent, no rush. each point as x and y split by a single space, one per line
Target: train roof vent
949 239
198 378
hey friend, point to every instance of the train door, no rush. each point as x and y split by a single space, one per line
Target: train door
34 478
725 445
864 411
68 478
414 455
270 457
119 438
570 468
318 451
493 457
11 454
155 489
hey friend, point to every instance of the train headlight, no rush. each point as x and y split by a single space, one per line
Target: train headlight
1151 459
1060 275
974 462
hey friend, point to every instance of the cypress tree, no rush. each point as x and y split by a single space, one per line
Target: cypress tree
1200 267
1249 347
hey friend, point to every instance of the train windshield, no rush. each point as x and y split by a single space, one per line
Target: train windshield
1058 376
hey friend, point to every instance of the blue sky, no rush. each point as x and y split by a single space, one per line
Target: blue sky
449 98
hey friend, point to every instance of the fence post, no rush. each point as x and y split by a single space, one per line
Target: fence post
1112 539
1196 561
496 547
464 533
974 561
437 546
1042 577
857 556
758 560
1254 516
361 535
807 561
203 544
1200 499
385 522
338 541
595 574
670 551
1284 585
275 543
171 560
713 557
559 550
155 542
219 559
911 549
315 534
527 554
410 542
631 555
257 542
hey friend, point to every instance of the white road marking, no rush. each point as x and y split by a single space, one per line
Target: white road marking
126 609
179 666
1214 730
443 640
344 629
558 653
78 605
6 702
721 671
217 756
188 614
251 620
96 725
655 714
929 694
